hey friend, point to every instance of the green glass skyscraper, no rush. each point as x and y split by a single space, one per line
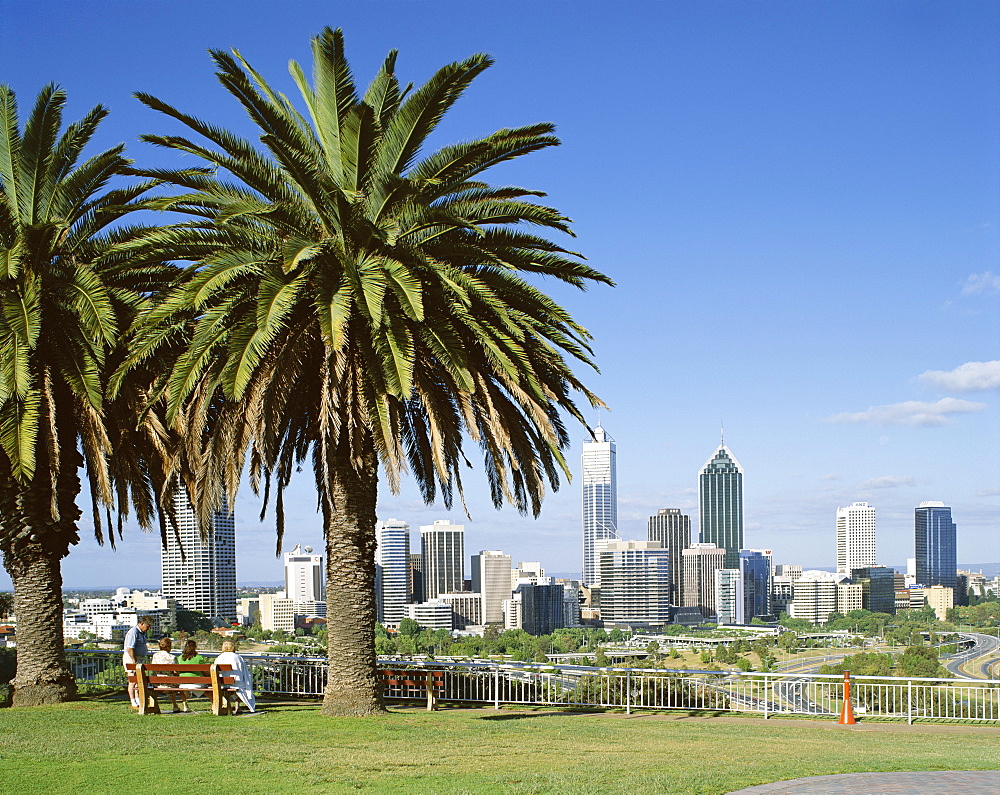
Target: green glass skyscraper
720 504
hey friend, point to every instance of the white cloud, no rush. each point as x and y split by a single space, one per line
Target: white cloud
989 492
984 282
887 482
968 377
832 476
910 412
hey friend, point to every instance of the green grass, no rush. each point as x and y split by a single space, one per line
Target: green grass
100 747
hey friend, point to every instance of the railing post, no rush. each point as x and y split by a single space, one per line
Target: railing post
496 686
909 702
767 691
628 691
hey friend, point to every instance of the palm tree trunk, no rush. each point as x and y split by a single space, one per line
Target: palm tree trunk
349 526
43 676
34 542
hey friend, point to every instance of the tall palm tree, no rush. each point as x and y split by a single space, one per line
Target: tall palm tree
65 294
366 306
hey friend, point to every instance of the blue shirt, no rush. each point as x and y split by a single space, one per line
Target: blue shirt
135 639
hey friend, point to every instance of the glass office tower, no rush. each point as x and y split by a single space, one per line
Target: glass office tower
720 505
600 500
935 545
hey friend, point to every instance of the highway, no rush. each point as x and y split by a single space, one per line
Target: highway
985 647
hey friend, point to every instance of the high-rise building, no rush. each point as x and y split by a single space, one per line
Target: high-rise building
491 578
878 588
466 608
442 553
635 583
600 499
304 576
392 555
700 564
200 575
541 607
781 593
755 581
855 537
720 504
935 545
814 596
673 530
276 612
571 602
416 573
728 596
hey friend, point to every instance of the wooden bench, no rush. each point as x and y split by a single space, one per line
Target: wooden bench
430 682
152 679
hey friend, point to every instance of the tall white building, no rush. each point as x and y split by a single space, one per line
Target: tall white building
442 556
600 500
491 572
200 575
635 582
392 555
304 576
855 537
729 596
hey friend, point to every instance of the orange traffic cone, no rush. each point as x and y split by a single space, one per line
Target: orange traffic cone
847 710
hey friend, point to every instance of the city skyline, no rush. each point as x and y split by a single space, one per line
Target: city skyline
799 212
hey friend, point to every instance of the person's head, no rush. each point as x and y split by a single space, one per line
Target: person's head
144 623
166 644
228 645
190 649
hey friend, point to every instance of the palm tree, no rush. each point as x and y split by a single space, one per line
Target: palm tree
65 294
365 306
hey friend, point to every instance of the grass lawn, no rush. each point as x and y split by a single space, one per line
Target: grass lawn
99 746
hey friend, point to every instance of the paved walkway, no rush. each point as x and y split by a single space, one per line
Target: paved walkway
966 782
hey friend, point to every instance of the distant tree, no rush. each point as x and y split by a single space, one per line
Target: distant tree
921 661
191 621
409 627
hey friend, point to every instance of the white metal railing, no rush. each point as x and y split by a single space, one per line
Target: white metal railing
497 683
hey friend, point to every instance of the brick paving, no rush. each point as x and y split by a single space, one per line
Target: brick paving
966 782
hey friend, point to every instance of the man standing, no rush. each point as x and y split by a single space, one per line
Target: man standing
135 652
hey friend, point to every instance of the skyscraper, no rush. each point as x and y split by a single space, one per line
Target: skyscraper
855 537
600 500
720 504
673 530
442 557
755 582
200 575
392 555
491 578
304 577
935 545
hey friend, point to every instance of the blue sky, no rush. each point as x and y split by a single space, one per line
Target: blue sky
798 201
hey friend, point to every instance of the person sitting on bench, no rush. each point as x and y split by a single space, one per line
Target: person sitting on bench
164 657
190 656
241 673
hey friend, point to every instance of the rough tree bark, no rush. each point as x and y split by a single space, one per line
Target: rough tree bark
349 526
34 542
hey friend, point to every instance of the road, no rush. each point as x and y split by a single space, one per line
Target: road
985 647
